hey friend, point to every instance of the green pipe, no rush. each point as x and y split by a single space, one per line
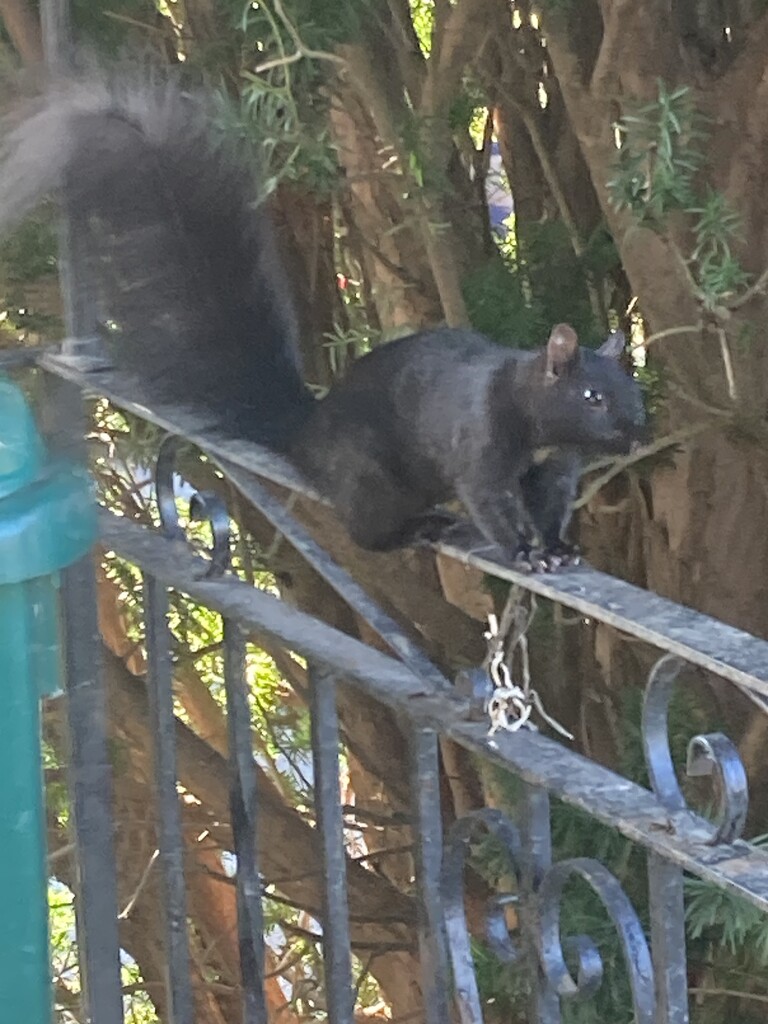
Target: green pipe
47 521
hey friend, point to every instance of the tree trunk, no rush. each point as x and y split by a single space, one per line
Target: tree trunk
704 542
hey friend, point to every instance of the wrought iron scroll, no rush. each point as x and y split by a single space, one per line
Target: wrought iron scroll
712 754
203 505
543 918
456 850
590 968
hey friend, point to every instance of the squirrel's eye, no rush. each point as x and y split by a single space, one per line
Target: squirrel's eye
593 396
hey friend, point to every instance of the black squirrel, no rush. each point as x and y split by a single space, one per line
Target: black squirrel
191 281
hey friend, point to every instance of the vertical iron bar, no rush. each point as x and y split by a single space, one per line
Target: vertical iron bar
330 828
665 889
91 789
170 834
90 770
428 846
244 809
90 778
536 838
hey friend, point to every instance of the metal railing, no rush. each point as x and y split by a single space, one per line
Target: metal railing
657 819
676 839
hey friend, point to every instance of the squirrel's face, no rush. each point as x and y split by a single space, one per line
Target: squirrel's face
588 400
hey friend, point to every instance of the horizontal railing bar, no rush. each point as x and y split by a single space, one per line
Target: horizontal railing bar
681 838
16 358
173 563
611 799
699 639
184 422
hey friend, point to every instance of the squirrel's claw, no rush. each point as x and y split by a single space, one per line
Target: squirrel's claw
562 554
550 559
530 559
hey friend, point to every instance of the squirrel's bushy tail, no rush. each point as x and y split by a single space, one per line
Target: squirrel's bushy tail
183 257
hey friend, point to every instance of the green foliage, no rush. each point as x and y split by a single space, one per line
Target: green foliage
517 296
28 258
653 383
30 252
505 992
720 274
19 321
321 24
574 833
287 148
728 944
122 452
137 1006
659 166
691 711
559 278
660 156
468 111
722 918
421 140
283 108
534 281
64 954
344 345
500 305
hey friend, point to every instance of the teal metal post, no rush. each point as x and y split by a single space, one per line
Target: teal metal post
47 521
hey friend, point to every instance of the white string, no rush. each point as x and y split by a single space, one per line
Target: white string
511 706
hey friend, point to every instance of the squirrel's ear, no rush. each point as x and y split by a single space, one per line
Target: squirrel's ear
613 346
562 350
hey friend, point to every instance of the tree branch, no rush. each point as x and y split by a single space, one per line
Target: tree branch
293 858
618 466
463 31
301 51
605 71
24 30
399 29
758 288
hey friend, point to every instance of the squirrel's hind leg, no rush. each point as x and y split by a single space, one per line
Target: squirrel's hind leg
377 511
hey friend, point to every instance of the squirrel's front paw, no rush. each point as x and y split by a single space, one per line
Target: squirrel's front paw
562 553
527 558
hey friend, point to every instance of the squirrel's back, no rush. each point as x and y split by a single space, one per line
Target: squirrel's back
180 249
